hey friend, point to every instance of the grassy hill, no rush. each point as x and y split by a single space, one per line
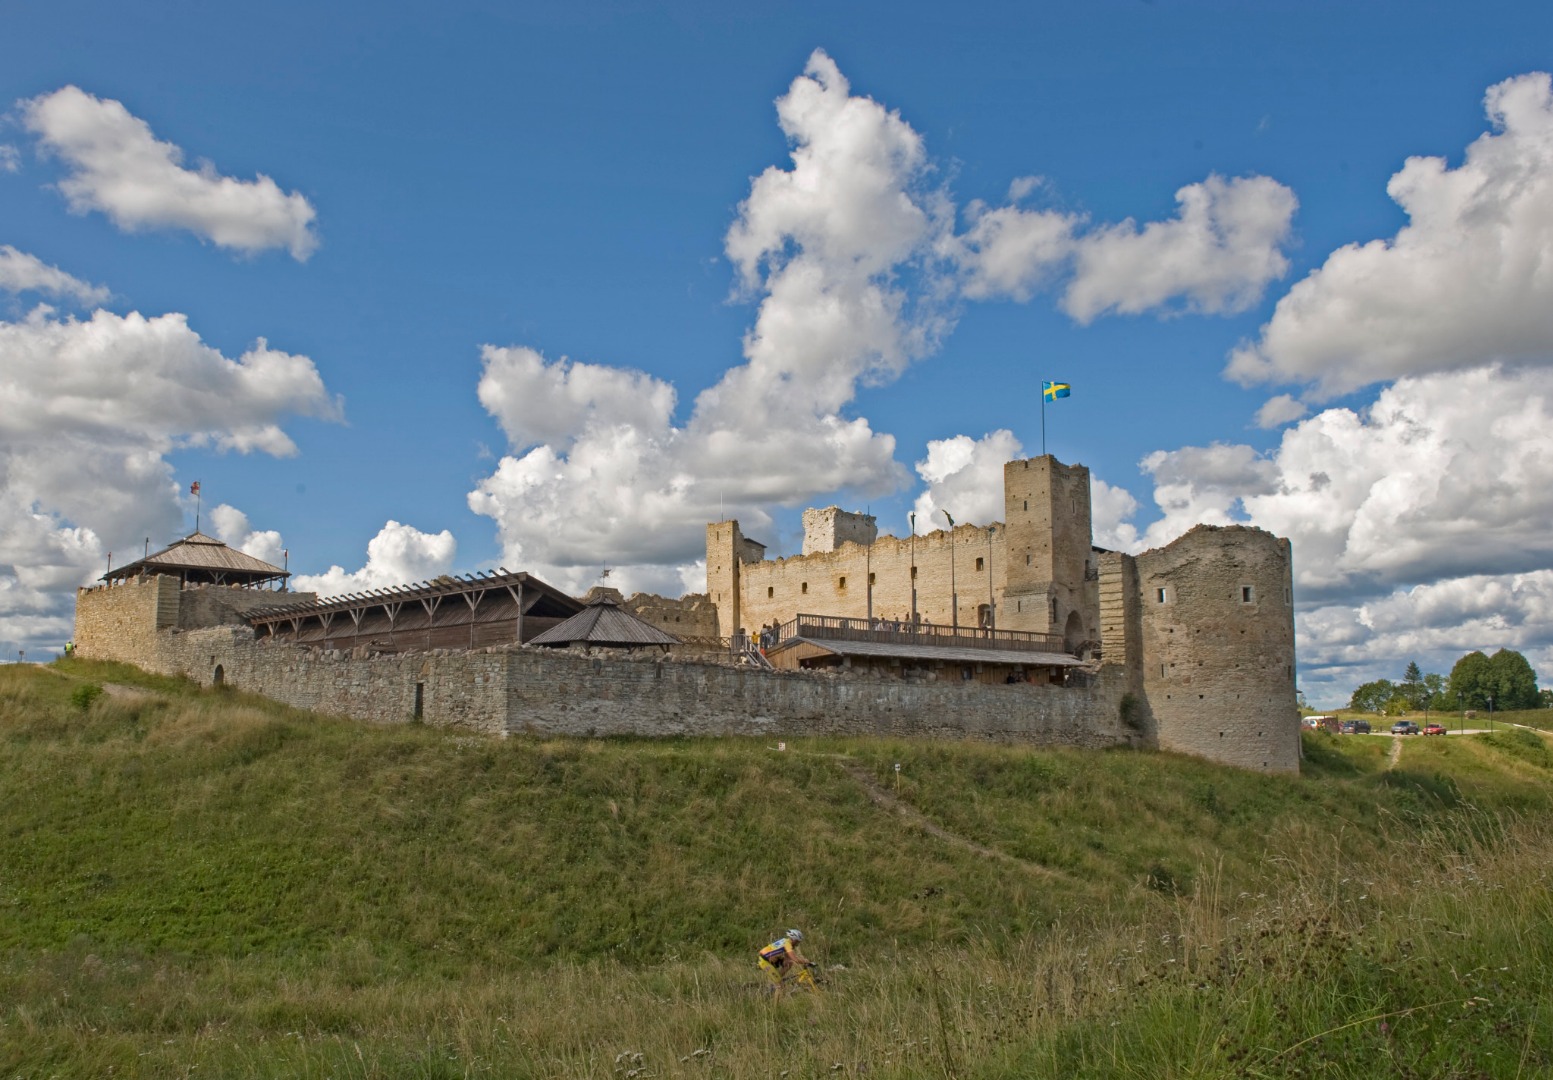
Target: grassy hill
202 881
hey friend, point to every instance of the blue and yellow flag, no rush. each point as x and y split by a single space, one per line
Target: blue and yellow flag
1051 391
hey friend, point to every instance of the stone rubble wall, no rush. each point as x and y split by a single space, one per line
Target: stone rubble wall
608 692
216 605
689 618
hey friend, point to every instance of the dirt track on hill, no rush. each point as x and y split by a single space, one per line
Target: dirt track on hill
887 801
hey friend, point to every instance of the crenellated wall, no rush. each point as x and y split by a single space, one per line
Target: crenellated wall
1196 641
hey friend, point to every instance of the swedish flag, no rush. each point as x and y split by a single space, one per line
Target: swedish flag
1051 391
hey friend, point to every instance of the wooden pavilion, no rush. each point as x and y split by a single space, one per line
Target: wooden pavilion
604 622
198 559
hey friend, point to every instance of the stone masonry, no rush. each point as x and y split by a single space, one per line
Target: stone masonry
1191 645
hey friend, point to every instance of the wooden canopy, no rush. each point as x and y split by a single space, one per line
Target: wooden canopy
474 611
198 559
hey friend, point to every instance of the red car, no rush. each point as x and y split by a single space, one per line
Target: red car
1435 729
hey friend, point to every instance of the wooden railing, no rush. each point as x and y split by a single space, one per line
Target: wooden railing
896 632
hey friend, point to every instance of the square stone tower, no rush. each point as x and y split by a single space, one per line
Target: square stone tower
828 529
1047 522
727 549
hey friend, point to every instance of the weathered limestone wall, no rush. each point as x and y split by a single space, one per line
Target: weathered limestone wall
690 618
119 622
1036 563
217 605
673 698
828 529
836 582
1047 507
542 691
454 687
1217 642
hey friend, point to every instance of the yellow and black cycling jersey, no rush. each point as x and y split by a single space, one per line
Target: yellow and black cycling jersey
779 953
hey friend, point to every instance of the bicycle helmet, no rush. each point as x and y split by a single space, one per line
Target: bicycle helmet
795 936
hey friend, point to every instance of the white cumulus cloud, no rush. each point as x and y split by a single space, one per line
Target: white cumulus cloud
1467 281
1217 255
1280 410
21 272
89 411
1422 526
117 166
397 555
965 477
232 528
601 472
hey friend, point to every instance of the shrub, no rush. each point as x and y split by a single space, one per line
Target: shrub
83 696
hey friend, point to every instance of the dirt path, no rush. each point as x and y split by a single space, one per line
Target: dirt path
887 801
1395 754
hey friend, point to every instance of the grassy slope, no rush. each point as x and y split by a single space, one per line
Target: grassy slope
218 874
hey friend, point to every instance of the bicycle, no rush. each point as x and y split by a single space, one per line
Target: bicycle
802 978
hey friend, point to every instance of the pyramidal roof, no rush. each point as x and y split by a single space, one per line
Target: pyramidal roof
604 622
201 558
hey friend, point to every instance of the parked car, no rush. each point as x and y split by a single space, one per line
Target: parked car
1356 727
1434 729
1404 727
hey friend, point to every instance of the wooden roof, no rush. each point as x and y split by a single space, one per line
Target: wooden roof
604 622
201 558
549 599
947 653
469 612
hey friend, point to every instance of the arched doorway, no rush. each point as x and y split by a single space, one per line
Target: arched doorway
1073 633
218 677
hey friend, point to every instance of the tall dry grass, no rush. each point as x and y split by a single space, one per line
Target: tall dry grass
196 884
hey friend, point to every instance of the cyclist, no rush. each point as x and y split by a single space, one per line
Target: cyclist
782 956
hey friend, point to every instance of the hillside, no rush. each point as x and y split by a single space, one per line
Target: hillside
199 878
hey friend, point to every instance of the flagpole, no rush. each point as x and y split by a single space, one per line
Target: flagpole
1043 418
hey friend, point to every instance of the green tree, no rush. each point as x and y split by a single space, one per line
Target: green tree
1412 684
1470 684
1373 696
1435 693
1512 681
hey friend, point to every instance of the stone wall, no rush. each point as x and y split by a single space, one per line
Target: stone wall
837 582
452 687
828 529
214 605
1029 572
692 618
120 622
1217 639
545 692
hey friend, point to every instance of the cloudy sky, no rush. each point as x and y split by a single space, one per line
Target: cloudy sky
423 288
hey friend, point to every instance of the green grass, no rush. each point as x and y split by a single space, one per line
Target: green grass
202 879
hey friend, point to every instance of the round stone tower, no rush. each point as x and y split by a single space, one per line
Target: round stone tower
1217 622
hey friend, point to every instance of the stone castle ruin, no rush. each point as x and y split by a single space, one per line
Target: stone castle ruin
1021 630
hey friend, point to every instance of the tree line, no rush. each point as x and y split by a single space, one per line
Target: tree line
1506 679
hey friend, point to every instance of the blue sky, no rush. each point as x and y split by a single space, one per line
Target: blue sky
544 286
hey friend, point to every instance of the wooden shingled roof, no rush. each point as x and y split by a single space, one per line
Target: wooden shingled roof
604 622
201 558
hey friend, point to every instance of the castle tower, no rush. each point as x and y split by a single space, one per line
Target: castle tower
1217 646
828 529
1047 518
726 550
